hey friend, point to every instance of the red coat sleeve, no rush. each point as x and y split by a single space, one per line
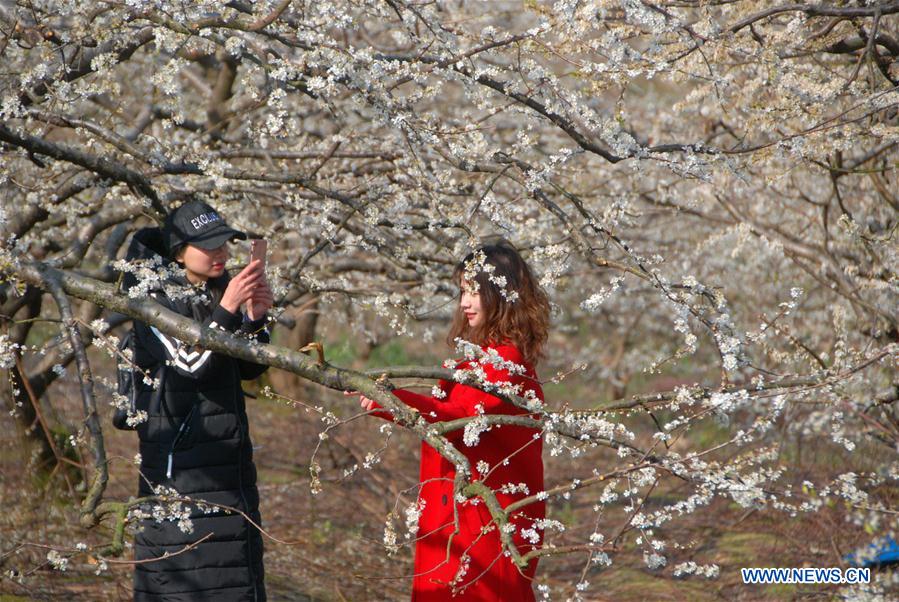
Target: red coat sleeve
461 401
411 399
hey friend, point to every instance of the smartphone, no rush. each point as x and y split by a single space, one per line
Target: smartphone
258 249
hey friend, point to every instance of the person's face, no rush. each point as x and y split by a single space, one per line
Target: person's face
203 264
470 304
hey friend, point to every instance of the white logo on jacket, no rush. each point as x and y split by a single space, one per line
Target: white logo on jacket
189 361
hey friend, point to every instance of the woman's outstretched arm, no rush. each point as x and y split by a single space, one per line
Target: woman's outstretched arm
460 400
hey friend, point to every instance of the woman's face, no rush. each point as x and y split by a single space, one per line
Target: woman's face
203 264
470 304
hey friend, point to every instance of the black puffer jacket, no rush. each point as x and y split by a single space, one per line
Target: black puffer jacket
196 441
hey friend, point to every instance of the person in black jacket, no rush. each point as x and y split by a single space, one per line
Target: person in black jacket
196 439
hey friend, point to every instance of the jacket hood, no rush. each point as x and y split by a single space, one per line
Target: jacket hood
147 245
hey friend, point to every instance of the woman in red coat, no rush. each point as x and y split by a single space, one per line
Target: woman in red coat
458 553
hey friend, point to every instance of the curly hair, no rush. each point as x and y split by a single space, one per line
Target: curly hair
516 308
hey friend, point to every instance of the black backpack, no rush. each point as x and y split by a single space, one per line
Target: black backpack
146 243
126 373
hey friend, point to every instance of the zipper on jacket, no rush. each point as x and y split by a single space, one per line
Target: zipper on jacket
240 453
182 430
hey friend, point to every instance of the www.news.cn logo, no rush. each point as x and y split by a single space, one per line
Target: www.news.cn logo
833 575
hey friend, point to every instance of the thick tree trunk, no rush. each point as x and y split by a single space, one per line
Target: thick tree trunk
35 433
303 333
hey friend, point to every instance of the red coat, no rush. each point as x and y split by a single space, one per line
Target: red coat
490 575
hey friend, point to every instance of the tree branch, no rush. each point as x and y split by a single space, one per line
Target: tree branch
99 165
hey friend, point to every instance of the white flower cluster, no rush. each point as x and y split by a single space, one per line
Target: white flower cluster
491 356
838 431
512 488
8 352
136 418
171 510
644 477
413 515
552 262
473 429
546 524
849 490
730 345
99 326
150 274
464 564
476 374
167 78
57 560
389 537
531 535
592 427
729 401
709 571
592 303
654 561
681 325
477 264
496 210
